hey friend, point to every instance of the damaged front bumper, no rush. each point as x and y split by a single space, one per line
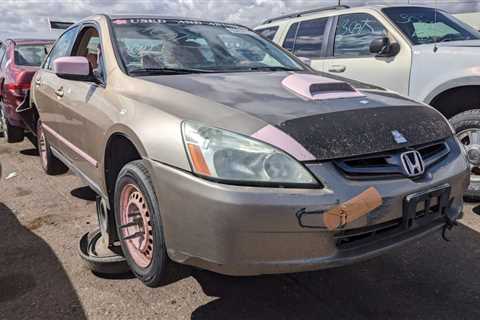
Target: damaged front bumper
239 230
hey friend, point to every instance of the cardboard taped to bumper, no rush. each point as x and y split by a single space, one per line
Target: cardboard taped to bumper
352 209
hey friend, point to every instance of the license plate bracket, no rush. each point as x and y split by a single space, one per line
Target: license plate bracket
435 202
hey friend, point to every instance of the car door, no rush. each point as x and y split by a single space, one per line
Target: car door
307 40
47 94
349 53
84 105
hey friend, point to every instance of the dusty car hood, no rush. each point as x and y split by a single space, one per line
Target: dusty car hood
328 129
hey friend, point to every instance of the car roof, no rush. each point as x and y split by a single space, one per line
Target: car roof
328 11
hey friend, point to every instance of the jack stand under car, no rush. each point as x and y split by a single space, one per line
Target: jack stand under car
98 249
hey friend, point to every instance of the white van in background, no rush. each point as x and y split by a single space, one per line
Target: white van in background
421 52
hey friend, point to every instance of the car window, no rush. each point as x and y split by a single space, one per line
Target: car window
88 45
61 47
2 52
289 42
30 55
354 34
268 33
4 61
310 38
147 45
427 25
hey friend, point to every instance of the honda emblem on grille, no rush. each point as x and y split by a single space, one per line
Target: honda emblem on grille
413 164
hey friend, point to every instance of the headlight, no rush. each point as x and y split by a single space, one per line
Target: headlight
227 156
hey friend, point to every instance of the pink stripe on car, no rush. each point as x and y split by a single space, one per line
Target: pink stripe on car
283 141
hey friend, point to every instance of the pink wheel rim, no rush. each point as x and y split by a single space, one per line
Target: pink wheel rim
136 225
42 146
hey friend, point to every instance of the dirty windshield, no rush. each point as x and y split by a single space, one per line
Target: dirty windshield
154 46
427 25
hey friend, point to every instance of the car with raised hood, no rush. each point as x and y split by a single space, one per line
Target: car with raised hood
211 146
19 60
421 52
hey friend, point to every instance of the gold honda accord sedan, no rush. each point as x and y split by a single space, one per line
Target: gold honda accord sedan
210 146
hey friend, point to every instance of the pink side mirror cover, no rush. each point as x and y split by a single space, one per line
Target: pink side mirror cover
72 65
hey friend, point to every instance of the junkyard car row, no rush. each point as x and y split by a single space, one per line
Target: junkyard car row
204 139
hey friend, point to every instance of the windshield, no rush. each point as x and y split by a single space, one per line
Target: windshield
156 45
30 55
427 25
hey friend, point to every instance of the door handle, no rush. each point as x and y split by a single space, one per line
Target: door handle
38 82
337 68
59 92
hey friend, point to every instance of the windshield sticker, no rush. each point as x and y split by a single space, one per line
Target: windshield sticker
430 30
177 21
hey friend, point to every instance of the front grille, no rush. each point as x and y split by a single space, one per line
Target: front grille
388 165
356 237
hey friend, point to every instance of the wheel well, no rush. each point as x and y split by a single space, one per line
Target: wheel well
120 151
457 100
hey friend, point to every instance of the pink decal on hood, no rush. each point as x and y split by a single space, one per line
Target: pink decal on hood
315 87
283 141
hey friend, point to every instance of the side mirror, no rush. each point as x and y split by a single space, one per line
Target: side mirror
382 47
306 61
73 68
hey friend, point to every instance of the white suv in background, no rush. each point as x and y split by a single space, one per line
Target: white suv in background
421 52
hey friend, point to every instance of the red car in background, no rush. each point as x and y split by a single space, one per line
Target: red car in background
19 60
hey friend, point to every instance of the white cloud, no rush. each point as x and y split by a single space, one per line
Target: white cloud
28 18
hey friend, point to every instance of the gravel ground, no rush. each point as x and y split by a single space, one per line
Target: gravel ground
42 276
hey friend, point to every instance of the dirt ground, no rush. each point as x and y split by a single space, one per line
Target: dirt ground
42 276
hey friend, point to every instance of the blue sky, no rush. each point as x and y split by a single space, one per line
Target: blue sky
29 18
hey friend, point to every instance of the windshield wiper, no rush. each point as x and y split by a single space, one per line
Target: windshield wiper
272 68
168 71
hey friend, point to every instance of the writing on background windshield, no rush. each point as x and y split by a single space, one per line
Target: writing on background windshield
427 25
154 44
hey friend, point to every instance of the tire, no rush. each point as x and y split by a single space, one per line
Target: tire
10 133
467 127
135 201
50 164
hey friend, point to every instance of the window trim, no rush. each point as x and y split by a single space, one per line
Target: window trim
333 31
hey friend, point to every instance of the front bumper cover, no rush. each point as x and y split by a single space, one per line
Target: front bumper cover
240 230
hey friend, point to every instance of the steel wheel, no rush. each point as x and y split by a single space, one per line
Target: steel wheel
136 226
